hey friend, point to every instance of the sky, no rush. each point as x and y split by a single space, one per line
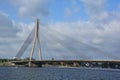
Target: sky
69 29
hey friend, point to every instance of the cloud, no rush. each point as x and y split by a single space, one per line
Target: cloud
3 18
24 29
12 35
7 34
74 2
75 6
91 41
29 8
95 8
76 9
68 12
5 25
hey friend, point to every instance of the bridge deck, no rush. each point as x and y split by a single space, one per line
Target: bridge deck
67 61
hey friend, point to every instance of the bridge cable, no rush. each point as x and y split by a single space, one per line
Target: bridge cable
70 38
48 40
68 48
25 44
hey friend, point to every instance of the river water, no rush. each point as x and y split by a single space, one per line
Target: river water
24 73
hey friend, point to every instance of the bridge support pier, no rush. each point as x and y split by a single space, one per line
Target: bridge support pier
29 64
32 64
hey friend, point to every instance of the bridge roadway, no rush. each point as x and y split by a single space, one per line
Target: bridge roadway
75 63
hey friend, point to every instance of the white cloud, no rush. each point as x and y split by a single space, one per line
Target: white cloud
12 35
75 6
7 35
95 8
68 12
74 2
76 9
105 40
30 8
5 21
24 29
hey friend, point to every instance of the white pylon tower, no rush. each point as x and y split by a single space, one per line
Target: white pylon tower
36 39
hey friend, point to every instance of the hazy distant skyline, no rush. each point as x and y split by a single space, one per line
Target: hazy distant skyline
94 22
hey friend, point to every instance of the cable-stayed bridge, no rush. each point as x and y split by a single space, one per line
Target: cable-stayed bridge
63 49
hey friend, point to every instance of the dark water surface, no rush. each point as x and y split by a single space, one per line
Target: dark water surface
24 73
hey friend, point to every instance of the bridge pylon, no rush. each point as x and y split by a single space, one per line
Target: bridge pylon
36 40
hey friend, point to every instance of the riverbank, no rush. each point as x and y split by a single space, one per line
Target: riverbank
5 64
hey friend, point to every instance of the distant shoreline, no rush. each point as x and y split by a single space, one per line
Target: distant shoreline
8 63
4 64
